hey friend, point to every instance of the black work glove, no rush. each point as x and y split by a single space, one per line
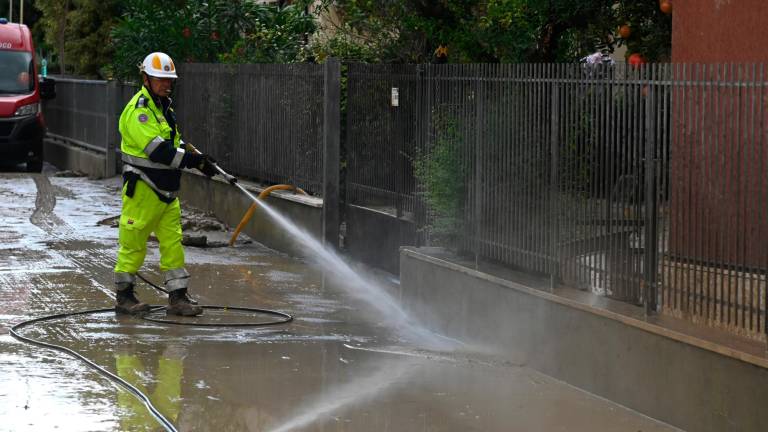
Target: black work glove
203 163
207 167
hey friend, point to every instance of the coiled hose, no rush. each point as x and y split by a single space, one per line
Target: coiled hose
15 332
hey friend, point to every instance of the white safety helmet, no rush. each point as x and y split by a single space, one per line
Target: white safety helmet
158 65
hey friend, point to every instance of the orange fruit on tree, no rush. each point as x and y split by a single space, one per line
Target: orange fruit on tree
665 7
636 59
625 31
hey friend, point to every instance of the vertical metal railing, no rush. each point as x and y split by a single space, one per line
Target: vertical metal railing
383 132
646 184
79 113
265 121
714 266
85 114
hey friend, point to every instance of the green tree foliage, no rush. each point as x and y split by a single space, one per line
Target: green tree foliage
272 35
77 32
235 31
86 35
54 24
90 23
547 31
492 30
651 29
404 31
188 31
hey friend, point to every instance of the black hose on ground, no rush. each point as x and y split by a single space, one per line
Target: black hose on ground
128 386
284 318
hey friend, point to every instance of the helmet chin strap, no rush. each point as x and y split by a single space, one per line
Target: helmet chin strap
148 85
147 82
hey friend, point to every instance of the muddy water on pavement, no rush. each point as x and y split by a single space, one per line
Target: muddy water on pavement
334 368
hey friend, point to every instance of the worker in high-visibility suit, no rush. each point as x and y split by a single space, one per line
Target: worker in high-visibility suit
153 155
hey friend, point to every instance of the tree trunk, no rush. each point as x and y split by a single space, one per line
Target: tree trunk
61 34
549 39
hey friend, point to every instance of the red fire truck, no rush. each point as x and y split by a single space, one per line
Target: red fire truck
22 127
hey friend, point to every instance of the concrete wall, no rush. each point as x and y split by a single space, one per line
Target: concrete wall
229 205
622 358
719 31
67 157
375 238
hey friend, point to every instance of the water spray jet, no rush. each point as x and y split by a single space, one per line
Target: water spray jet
350 279
249 213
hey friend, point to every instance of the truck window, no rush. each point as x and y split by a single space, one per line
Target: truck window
16 72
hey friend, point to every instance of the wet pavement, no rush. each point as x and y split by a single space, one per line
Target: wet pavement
337 367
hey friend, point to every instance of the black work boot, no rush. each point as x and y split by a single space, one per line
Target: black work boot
179 303
127 303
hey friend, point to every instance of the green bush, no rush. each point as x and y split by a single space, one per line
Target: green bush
232 31
347 45
441 176
272 35
493 31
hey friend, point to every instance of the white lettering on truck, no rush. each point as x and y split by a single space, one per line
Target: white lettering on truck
5 45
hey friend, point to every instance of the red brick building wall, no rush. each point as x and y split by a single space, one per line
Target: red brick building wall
717 31
719 158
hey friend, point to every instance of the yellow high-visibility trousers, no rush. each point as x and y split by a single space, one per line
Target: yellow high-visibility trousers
166 396
142 215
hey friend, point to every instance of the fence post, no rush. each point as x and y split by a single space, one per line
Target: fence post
554 199
650 246
331 153
422 123
112 133
477 198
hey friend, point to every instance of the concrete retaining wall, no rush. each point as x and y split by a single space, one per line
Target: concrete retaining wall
375 238
624 358
68 157
229 205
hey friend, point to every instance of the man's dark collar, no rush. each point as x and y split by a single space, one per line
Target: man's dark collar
158 100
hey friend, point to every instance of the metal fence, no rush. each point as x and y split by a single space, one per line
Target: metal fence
383 130
644 185
263 121
79 112
714 242
85 113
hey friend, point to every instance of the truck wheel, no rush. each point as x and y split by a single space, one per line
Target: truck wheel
34 166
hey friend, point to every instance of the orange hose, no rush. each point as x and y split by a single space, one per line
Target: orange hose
249 213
